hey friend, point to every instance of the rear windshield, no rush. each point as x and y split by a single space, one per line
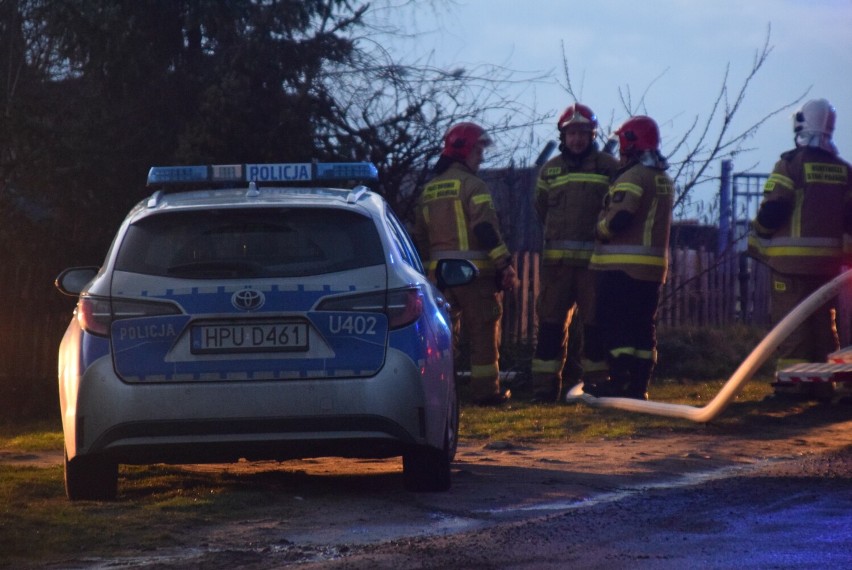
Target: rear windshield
222 244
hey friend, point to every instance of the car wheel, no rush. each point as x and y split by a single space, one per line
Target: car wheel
90 479
427 469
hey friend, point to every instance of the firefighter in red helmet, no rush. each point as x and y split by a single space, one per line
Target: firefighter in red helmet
455 218
631 259
569 192
799 230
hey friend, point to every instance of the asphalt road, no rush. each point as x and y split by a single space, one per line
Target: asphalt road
794 513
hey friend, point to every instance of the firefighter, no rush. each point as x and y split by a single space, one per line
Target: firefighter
569 193
631 257
455 218
799 227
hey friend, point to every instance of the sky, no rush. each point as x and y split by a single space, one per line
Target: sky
676 52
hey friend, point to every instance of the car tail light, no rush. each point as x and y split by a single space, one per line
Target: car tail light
96 314
402 306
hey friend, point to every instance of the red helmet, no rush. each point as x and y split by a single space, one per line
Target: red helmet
578 114
638 134
461 138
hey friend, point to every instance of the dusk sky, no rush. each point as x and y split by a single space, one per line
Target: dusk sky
674 51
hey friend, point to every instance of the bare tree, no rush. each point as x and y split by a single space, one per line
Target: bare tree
395 113
709 139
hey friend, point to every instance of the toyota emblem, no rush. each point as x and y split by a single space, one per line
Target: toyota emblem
248 300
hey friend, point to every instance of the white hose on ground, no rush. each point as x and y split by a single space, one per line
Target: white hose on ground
745 371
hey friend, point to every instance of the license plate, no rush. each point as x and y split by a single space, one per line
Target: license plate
242 337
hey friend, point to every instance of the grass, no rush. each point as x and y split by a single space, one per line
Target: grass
530 422
41 435
37 523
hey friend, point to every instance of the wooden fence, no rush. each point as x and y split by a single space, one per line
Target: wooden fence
35 315
702 289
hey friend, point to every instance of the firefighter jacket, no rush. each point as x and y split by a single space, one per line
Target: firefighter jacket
568 194
633 227
455 219
806 208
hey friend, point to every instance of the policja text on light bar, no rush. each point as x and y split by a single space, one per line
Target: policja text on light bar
281 172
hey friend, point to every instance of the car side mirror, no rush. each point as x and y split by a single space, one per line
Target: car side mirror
455 272
73 280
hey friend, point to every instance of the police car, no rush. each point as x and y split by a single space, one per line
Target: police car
237 316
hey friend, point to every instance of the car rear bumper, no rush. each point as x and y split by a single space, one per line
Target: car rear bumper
225 421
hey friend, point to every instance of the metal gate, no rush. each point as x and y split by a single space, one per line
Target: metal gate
740 195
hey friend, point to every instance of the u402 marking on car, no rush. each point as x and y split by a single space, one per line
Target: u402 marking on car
352 324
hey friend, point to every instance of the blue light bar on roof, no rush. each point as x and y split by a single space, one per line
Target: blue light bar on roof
283 172
176 174
347 171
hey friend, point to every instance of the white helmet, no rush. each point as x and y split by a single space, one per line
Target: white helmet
813 125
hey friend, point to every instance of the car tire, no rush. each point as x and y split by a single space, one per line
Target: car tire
426 469
90 479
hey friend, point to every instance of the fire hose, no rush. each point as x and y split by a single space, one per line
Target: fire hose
747 368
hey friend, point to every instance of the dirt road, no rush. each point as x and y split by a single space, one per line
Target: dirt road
686 496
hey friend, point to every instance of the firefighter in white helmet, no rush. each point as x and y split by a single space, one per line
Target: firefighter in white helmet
568 194
799 227
631 257
455 218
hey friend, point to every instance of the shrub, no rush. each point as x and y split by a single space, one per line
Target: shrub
692 353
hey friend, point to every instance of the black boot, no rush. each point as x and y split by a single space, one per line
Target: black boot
599 388
641 370
619 375
547 393
617 384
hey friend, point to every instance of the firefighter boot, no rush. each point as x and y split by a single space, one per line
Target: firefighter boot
546 390
598 388
595 366
595 375
641 370
617 384
485 386
547 364
620 376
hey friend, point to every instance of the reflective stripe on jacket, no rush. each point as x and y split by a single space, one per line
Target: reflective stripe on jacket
449 208
569 194
801 220
641 248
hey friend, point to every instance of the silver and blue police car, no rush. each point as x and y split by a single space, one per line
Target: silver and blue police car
237 316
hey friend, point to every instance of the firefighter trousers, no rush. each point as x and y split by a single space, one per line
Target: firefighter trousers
626 315
476 310
565 291
817 337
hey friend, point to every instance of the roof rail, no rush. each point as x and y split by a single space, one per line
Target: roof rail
356 193
154 199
